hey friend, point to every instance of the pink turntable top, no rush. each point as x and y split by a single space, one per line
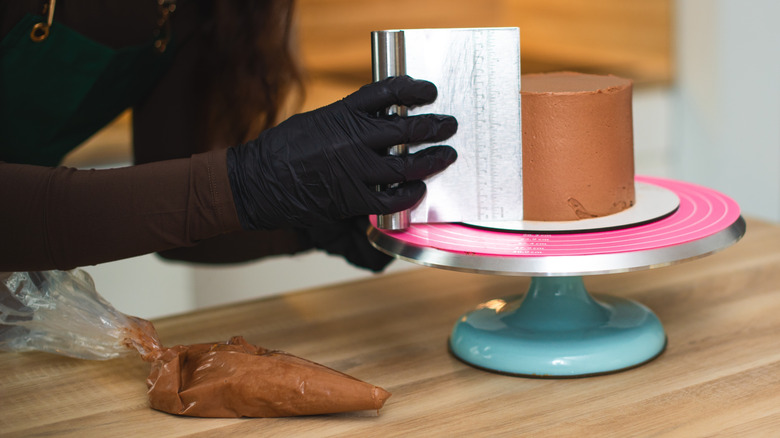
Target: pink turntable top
702 213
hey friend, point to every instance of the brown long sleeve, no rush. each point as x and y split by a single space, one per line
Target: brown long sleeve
60 218
174 203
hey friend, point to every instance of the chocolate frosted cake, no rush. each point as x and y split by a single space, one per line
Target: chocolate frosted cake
578 146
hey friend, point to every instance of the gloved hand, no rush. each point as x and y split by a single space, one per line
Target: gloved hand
346 238
324 165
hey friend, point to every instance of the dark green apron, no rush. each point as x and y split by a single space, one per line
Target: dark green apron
56 93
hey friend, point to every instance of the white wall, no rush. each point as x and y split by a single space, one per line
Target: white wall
145 286
215 286
652 130
726 102
150 287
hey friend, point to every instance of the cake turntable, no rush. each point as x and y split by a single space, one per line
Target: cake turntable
557 328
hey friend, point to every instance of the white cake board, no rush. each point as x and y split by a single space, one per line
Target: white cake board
652 203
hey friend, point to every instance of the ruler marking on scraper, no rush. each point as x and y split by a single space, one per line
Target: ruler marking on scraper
482 124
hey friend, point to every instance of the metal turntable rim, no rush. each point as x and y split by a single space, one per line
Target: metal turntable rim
706 221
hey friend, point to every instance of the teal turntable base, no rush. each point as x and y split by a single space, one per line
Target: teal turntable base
557 329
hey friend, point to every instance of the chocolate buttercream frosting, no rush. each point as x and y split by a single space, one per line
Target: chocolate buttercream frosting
578 146
238 379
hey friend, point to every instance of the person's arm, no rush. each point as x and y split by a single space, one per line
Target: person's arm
315 168
61 218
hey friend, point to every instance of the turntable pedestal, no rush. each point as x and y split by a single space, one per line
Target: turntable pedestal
556 328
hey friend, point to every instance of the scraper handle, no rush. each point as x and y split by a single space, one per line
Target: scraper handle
389 59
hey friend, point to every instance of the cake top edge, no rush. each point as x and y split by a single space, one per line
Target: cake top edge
571 82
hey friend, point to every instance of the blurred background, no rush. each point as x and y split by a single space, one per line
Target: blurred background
706 110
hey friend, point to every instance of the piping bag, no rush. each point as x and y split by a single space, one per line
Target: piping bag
61 312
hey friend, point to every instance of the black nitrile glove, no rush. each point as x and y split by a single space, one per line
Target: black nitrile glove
346 238
323 165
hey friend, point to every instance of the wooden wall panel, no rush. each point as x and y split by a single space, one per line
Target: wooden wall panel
627 38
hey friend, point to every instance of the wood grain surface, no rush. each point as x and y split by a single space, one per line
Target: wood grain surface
720 375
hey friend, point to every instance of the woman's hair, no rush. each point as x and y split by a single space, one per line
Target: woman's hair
249 68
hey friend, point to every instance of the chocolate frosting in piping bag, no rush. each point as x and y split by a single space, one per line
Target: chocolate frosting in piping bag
238 379
61 312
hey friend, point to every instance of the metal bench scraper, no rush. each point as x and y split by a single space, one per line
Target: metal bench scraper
477 73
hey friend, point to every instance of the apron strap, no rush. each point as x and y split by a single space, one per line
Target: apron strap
40 31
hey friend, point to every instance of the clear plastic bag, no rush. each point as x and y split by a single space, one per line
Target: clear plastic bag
61 312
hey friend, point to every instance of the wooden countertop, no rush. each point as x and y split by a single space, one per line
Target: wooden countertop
719 376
